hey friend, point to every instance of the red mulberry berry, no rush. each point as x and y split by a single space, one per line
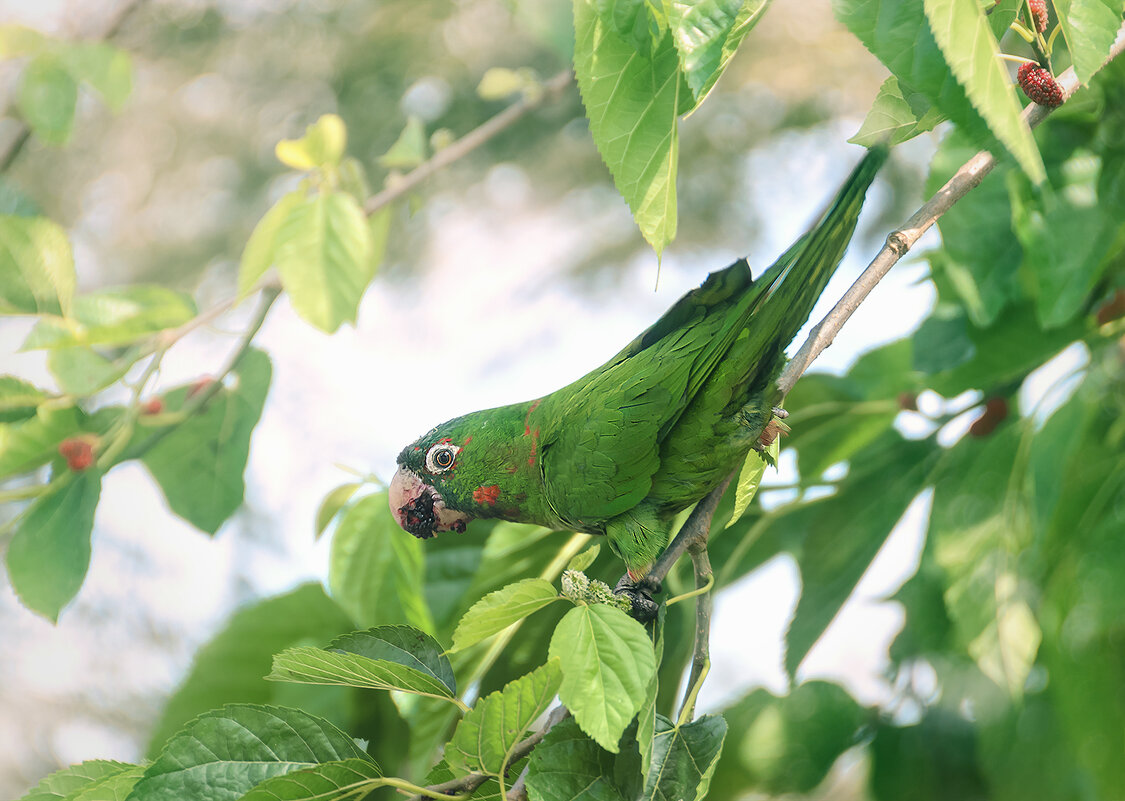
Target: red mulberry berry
78 452
1038 84
1039 12
152 406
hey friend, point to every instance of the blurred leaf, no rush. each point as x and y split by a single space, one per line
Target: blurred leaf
897 115
50 551
108 70
18 401
684 759
83 371
376 569
380 225
607 663
229 668
322 145
632 101
932 761
31 443
36 266
323 253
848 529
261 248
451 566
47 99
114 317
942 341
569 766
222 754
972 52
65 783
1090 28
391 668
585 559
199 465
707 33
980 261
409 150
498 610
485 737
333 502
787 744
497 83
329 781
749 478
19 40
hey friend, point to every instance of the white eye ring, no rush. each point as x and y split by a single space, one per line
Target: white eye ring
440 457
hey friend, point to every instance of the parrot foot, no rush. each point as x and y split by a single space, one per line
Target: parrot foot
640 593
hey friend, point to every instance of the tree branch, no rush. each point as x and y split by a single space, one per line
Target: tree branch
701 656
900 241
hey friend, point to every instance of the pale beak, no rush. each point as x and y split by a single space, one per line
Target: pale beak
419 508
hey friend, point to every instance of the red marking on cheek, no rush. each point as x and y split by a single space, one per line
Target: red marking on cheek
468 440
486 495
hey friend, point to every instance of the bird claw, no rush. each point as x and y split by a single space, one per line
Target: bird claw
640 594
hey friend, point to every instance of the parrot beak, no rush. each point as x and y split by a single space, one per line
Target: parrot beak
419 508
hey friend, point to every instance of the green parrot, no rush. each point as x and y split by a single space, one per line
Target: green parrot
626 447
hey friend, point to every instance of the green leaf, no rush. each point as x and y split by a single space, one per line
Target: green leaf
322 145
18 401
485 737
31 443
409 150
115 787
36 266
261 248
323 253
607 662
1090 28
707 33
107 70
330 781
402 645
18 40
931 761
83 371
684 759
333 502
585 559
69 781
230 667
898 114
498 610
646 718
451 567
50 552
47 99
748 480
114 317
632 101
569 766
972 52
376 569
199 465
942 341
224 753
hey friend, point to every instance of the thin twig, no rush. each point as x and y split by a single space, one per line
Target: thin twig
701 654
468 143
900 241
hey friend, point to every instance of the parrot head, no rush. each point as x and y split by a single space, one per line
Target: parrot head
426 475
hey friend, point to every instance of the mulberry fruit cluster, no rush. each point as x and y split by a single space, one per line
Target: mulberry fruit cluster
1039 13
1038 84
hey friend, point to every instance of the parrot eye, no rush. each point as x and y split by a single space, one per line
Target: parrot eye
440 457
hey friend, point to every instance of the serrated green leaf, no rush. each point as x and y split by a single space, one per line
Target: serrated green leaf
376 569
115 787
485 737
897 115
230 667
748 480
308 665
222 754
632 101
499 609
323 253
569 766
199 465
261 248
585 559
409 150
36 266
107 70
47 98
1090 28
330 781
18 400
83 371
113 317
31 443
74 779
972 52
607 662
322 145
333 502
50 551
707 33
402 645
684 759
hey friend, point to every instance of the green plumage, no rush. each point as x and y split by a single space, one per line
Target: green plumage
626 447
